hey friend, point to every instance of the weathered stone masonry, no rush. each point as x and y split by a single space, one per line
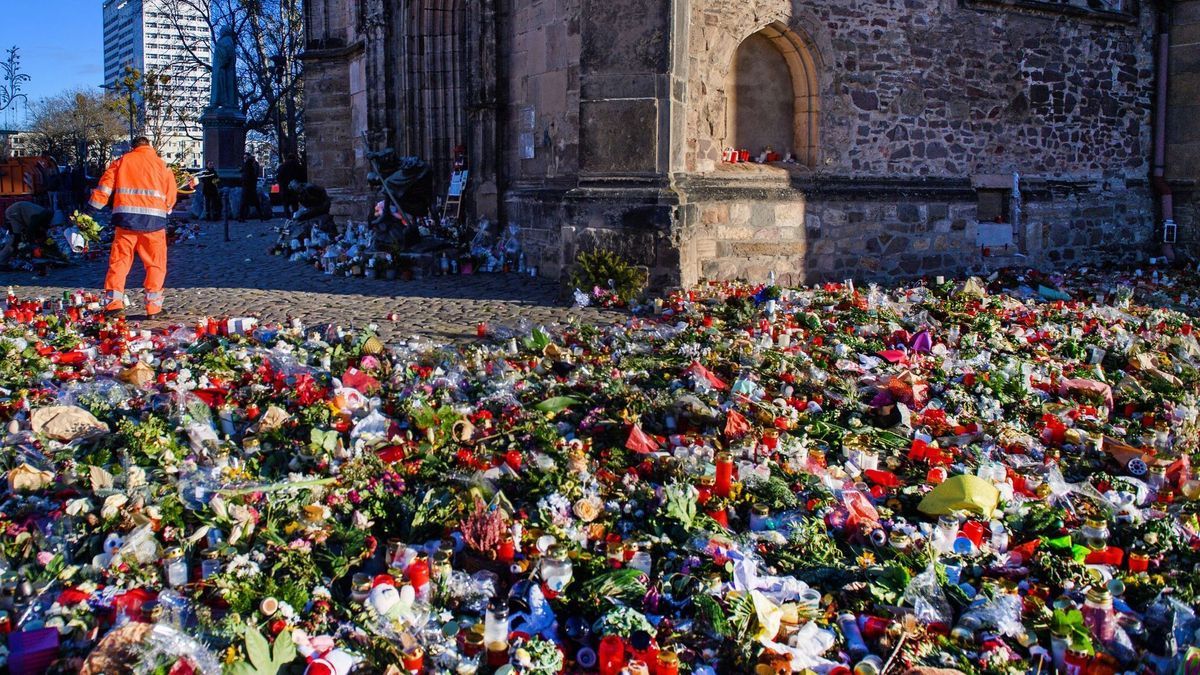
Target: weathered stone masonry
909 118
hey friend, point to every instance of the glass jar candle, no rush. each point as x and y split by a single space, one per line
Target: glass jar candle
868 460
442 566
947 532
999 536
871 665
1156 478
495 627
556 569
360 587
417 572
210 565
396 550
175 568
472 641
1094 533
641 561
760 516
1098 614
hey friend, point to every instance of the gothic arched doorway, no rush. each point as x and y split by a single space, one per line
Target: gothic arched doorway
771 95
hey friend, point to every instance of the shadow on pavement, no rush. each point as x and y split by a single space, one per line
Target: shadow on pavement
210 263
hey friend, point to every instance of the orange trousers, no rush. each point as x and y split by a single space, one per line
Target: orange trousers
151 248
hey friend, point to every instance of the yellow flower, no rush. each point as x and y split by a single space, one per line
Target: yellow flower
316 513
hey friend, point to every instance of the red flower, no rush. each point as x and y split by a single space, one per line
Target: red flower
513 459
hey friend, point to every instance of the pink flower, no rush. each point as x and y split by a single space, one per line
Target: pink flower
369 362
44 557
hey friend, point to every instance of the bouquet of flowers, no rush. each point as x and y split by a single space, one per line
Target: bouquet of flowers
87 226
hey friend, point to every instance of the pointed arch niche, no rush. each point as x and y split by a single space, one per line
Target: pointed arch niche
772 97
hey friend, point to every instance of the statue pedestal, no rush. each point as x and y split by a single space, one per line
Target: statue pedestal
224 140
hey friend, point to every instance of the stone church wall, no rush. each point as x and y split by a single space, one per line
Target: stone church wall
607 120
542 131
921 103
1183 123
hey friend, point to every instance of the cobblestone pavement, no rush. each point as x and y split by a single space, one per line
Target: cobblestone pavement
210 277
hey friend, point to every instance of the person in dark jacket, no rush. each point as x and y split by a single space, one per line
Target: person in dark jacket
210 188
250 173
291 170
28 224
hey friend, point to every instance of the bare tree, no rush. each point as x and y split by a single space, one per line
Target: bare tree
270 37
161 93
76 126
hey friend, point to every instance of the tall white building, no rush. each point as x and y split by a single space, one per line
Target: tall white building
153 36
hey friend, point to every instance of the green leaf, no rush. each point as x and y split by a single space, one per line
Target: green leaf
241 668
557 404
681 504
537 340
284 651
259 651
711 612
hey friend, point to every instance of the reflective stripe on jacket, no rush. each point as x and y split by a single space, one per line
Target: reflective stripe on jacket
142 189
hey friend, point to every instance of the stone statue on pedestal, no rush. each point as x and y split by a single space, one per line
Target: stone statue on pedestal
223 121
224 71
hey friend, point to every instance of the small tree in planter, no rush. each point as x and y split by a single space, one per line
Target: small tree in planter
608 278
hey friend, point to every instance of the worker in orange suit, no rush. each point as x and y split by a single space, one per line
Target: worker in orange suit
143 192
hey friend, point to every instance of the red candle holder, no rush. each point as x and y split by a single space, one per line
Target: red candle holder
724 477
770 439
418 572
611 655
414 660
506 551
721 516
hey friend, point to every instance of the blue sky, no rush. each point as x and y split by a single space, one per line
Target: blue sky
61 42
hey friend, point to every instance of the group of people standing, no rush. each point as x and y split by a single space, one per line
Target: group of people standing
290 171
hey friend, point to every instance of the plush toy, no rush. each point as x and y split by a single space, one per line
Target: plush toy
392 603
323 658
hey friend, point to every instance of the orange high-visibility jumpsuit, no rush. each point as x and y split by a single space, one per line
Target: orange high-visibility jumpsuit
143 193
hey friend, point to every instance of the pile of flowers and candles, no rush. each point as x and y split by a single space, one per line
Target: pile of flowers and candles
987 475
363 249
